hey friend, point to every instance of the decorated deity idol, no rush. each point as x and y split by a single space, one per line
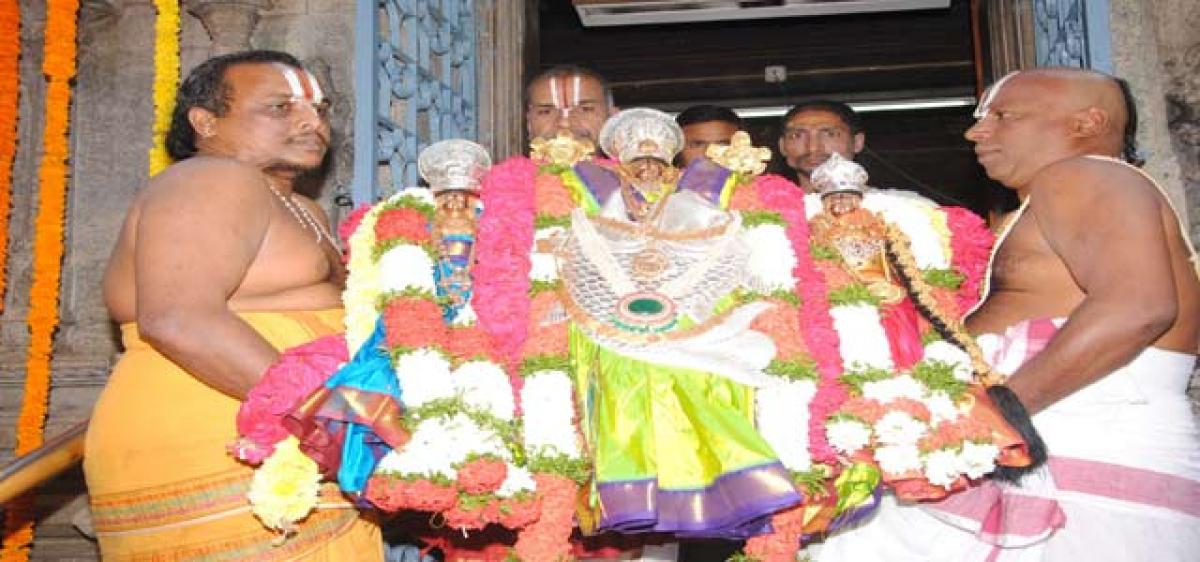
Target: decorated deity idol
454 169
624 346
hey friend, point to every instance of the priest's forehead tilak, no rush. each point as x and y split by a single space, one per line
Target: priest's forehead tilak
985 104
303 85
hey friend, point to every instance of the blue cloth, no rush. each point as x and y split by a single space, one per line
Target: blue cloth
370 370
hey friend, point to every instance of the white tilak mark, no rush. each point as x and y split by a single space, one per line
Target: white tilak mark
293 80
985 104
318 93
575 96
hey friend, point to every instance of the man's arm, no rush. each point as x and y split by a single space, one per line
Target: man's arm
199 231
1103 221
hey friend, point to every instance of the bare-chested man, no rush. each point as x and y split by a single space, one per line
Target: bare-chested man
218 266
1094 311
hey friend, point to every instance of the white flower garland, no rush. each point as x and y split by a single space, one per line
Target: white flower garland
772 258
864 342
548 405
782 419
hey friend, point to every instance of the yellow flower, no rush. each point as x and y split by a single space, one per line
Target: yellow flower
284 489
362 287
937 219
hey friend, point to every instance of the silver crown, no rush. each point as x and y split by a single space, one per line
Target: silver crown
641 133
838 174
454 164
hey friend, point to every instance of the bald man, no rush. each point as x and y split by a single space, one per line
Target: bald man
1094 311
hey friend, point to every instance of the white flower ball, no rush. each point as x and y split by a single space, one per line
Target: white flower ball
484 385
977 459
900 386
771 258
941 407
847 436
899 428
898 459
950 354
424 376
941 467
406 266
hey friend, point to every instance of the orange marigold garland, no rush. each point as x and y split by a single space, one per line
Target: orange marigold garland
166 78
10 54
59 67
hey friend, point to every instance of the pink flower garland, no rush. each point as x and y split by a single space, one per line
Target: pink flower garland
503 243
971 244
783 197
299 372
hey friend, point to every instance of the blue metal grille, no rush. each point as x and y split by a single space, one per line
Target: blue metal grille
1072 33
414 85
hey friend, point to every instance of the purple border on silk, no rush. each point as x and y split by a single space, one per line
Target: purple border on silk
704 178
737 505
600 181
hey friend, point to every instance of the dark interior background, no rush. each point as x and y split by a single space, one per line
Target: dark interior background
888 56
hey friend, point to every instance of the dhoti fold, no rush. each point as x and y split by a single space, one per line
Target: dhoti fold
162 485
1122 481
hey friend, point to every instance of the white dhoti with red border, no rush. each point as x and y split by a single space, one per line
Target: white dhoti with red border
1122 481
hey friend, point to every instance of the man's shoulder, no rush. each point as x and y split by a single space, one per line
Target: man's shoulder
1089 180
215 175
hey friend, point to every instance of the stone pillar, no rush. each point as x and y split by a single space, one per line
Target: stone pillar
229 23
1180 44
1137 58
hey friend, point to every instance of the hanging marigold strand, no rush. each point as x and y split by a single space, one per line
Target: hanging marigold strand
10 54
166 79
59 67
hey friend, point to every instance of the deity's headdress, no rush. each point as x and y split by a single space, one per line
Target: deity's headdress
839 175
454 164
641 133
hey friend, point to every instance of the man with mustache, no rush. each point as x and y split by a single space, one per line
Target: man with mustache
1094 313
812 130
567 98
219 265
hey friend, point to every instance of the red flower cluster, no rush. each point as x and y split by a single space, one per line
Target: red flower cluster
783 543
552 197
396 494
482 476
911 407
404 224
782 323
413 323
866 409
548 538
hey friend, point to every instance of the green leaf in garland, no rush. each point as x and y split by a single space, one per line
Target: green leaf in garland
547 221
538 287
812 481
579 470
820 252
384 298
852 294
929 337
410 202
939 375
382 248
537 363
944 278
793 370
751 219
857 376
